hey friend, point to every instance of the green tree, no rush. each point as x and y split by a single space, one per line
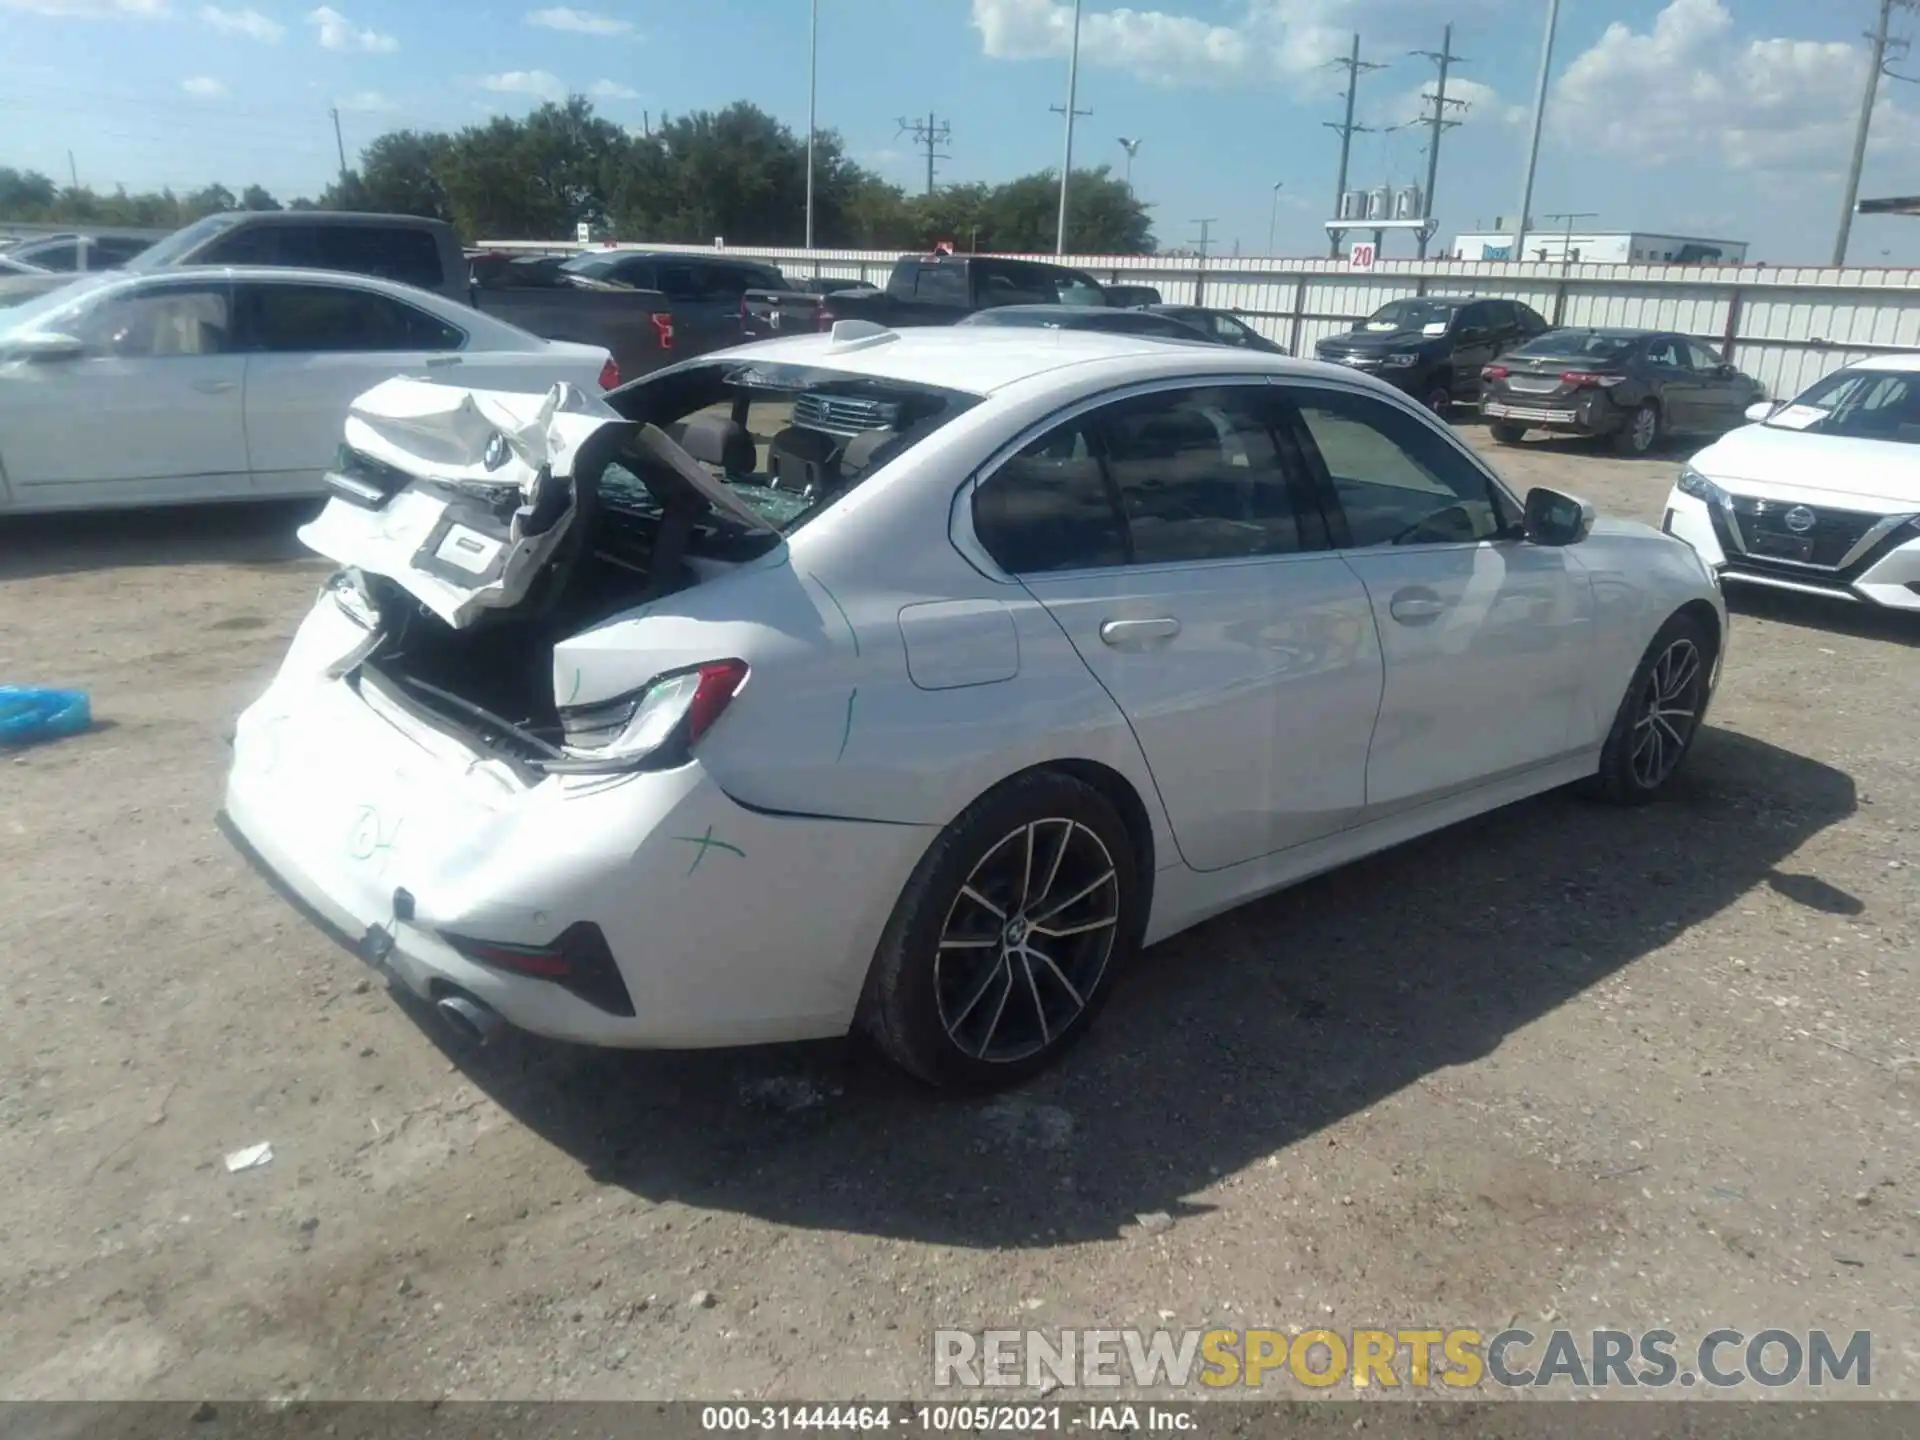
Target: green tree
400 175
26 194
216 199
255 197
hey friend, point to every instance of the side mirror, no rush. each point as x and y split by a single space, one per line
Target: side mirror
1725 371
1761 410
46 347
1556 519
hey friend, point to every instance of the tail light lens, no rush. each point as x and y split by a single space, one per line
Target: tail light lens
1494 372
651 728
663 329
609 375
579 961
1590 377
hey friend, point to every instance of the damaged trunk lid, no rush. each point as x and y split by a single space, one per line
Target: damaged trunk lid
466 499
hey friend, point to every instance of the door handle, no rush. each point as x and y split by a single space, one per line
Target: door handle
215 387
436 362
1130 634
1416 605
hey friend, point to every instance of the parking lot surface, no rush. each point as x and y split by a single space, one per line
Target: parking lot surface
1566 1066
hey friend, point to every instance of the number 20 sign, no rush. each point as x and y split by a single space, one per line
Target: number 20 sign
1362 255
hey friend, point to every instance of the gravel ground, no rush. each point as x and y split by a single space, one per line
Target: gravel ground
1565 1066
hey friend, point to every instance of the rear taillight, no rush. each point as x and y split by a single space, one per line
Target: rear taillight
1589 377
650 728
578 961
663 329
1495 372
609 375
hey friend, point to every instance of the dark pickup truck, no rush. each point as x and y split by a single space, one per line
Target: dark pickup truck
943 289
765 314
637 326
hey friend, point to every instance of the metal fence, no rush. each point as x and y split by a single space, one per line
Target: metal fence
1785 325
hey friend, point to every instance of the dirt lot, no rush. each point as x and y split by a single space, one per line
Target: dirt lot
1571 1066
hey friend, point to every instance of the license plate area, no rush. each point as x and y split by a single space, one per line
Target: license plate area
1778 546
1533 384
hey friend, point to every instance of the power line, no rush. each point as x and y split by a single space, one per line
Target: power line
1882 42
1438 124
1355 68
929 134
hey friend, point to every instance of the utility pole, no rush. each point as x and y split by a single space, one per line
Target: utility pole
813 91
1355 68
1438 124
1880 43
1539 117
1206 230
931 134
73 170
1132 147
1066 160
1566 244
338 143
1273 215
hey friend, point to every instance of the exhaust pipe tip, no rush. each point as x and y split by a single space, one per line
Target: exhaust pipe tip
475 1023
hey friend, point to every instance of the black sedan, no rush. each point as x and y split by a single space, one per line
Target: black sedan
1220 326
1090 317
1635 387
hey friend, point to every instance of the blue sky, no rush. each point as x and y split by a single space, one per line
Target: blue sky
1726 118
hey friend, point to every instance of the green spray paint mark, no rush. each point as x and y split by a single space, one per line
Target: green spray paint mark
852 634
706 842
846 732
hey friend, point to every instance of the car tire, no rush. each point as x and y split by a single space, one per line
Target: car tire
968 931
1437 398
1505 432
1642 431
1659 717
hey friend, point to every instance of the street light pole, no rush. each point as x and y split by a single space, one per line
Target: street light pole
1273 216
1066 163
813 89
1132 147
1539 115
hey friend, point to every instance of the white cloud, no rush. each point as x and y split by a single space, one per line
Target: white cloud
88 9
612 90
250 23
579 22
337 32
1688 90
363 102
541 83
1284 39
203 87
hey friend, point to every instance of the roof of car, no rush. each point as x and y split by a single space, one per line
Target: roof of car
1903 360
981 359
328 217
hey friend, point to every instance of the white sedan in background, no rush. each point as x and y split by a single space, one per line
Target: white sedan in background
912 680
1821 495
196 385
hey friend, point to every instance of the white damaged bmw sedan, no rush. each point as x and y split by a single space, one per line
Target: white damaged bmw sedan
909 682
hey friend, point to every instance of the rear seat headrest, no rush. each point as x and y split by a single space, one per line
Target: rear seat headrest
718 440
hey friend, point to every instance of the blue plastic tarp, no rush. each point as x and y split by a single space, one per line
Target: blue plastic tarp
30 714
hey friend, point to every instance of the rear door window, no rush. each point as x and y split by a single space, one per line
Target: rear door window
324 319
392 252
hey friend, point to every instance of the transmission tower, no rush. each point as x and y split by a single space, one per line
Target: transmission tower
1355 68
1886 48
928 134
1437 123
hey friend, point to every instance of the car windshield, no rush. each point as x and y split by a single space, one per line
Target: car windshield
594 267
31 314
167 250
1412 315
1598 345
790 440
1859 405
